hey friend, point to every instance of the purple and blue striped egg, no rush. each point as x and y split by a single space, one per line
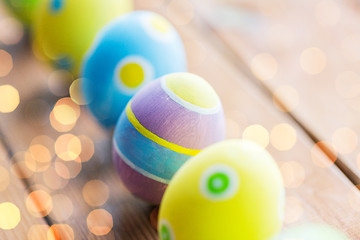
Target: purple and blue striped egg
168 121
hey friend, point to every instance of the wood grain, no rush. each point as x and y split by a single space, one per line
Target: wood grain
13 191
313 193
306 54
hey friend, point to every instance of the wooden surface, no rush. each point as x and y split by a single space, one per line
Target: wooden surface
316 56
316 189
13 191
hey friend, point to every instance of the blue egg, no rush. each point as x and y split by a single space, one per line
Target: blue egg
130 51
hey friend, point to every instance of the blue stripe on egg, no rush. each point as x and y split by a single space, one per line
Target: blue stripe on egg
144 153
56 5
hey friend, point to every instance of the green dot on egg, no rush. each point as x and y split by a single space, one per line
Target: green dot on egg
218 183
165 233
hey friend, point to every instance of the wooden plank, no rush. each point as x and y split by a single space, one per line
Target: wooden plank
306 53
53 178
313 193
16 222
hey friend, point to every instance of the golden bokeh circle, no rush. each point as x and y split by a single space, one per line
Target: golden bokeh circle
99 222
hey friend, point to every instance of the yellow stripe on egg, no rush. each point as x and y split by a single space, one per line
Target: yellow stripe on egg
146 133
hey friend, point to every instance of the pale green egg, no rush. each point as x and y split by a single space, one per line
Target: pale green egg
311 232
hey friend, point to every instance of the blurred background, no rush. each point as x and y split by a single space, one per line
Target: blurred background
287 72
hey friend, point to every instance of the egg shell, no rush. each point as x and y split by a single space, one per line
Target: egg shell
230 190
24 9
311 232
165 123
65 29
128 53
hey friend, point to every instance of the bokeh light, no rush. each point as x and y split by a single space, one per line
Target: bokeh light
11 31
6 63
68 147
53 180
323 154
68 169
95 193
257 134
283 137
9 215
313 60
38 232
87 148
9 98
76 92
19 168
344 140
264 66
60 232
39 203
38 158
99 222
64 115
45 141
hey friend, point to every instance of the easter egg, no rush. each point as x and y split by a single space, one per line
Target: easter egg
128 53
23 9
311 232
231 190
164 124
65 29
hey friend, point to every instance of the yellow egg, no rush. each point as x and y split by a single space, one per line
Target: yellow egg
230 190
65 29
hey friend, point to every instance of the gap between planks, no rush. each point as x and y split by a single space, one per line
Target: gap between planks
24 181
239 63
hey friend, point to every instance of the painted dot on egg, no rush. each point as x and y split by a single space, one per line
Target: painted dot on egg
160 24
166 232
158 27
186 93
67 28
232 198
56 5
125 64
219 182
63 62
132 73
162 126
